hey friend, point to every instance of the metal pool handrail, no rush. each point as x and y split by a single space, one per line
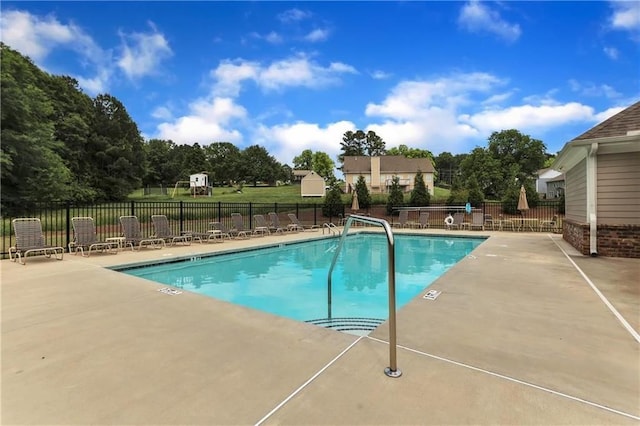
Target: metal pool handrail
392 370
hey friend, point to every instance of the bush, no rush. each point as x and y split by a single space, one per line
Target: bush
396 197
364 198
419 195
333 206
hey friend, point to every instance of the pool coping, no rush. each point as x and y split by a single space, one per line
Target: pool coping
503 364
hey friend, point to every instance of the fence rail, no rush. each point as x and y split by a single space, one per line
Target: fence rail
195 216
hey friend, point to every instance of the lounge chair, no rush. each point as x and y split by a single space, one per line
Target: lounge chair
488 221
218 230
163 230
85 237
477 221
30 240
550 225
403 219
296 225
458 220
133 236
423 220
260 225
275 223
238 226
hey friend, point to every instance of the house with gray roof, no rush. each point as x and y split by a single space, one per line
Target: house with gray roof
378 172
602 187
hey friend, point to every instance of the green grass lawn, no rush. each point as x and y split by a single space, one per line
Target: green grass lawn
266 194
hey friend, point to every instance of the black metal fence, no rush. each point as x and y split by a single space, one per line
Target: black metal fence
196 216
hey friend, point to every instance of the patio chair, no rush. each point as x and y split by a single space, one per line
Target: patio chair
133 236
550 225
296 225
30 240
260 225
458 220
488 221
163 230
238 226
403 219
275 223
218 230
423 220
85 237
477 221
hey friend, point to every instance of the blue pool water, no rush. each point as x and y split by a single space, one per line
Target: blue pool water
291 280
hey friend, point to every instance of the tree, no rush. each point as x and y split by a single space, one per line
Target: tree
361 143
117 150
484 170
364 198
374 145
223 160
516 153
419 195
257 165
318 161
447 167
323 164
396 197
161 167
332 206
32 169
407 152
304 161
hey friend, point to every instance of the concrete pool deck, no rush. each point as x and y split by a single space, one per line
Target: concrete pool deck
526 331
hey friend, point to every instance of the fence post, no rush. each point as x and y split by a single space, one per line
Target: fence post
219 211
181 217
133 208
250 215
315 214
68 240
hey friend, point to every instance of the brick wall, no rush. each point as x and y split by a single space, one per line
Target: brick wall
613 240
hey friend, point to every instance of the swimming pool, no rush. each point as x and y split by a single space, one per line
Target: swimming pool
291 280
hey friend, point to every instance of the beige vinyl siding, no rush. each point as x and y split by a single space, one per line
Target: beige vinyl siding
619 189
576 193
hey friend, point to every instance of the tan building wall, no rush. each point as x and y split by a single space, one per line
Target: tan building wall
619 189
576 193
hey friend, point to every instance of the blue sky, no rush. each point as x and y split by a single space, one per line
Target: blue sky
292 75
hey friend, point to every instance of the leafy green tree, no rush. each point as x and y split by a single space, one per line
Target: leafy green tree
257 165
32 169
318 161
374 144
476 196
483 170
333 206
223 160
364 198
447 167
117 149
407 152
323 164
361 143
304 161
396 196
420 194
159 155
287 173
516 153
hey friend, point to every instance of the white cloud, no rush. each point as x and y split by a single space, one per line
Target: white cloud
593 90
162 113
527 118
35 36
285 141
297 71
380 75
272 37
142 53
611 52
208 121
608 113
293 15
625 16
497 98
317 35
476 16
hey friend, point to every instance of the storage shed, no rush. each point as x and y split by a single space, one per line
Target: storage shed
312 185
